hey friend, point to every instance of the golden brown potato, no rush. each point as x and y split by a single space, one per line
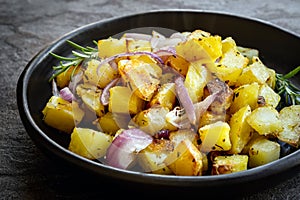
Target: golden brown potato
245 95
240 130
89 143
215 137
152 158
58 110
185 160
143 78
229 164
130 104
111 46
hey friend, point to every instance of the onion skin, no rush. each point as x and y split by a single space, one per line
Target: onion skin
124 148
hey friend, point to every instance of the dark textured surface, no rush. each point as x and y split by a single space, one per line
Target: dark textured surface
26 26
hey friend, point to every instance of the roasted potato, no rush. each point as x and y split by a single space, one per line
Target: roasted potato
58 110
89 143
290 116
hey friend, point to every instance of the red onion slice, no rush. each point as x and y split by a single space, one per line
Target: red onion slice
124 148
202 106
185 99
66 94
104 98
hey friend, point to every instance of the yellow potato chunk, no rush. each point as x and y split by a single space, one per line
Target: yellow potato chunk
215 137
271 98
142 77
185 160
58 110
240 130
245 95
122 100
99 75
151 120
111 46
178 63
229 164
165 96
152 158
89 143
63 79
290 116
195 81
265 120
138 45
108 124
255 72
263 151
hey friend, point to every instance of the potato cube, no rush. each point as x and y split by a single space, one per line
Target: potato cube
180 64
185 160
151 120
263 151
138 45
255 72
215 137
63 79
142 77
271 98
165 96
99 75
177 136
240 130
229 164
265 120
89 143
245 95
111 46
108 124
122 100
230 66
91 98
61 114
195 81
152 158
192 51
290 116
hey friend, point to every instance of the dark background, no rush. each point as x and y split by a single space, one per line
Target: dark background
26 26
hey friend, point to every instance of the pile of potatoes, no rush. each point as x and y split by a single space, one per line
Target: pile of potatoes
233 135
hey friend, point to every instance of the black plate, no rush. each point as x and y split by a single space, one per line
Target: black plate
279 49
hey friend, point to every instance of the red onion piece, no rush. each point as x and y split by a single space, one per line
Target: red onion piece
66 94
104 98
124 148
185 99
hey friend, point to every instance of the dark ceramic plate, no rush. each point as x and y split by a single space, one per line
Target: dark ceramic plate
279 49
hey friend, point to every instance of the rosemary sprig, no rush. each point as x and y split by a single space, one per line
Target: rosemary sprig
290 94
80 55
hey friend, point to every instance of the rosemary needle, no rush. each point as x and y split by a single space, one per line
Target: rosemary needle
80 55
290 94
